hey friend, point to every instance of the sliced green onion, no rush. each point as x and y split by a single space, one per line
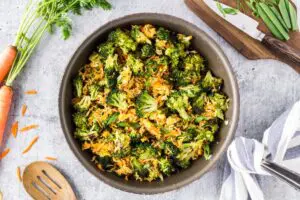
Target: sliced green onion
284 13
293 17
274 20
269 23
279 17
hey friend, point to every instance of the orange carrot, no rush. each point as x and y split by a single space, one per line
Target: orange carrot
27 128
14 129
31 92
33 141
24 109
6 94
19 174
7 58
50 158
4 153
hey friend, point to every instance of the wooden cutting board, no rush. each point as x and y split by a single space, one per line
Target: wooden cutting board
246 45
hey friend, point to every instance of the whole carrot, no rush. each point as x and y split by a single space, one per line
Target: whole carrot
7 58
6 94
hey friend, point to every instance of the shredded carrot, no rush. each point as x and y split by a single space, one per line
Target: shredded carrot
27 128
4 153
24 109
33 141
19 174
31 92
50 158
14 129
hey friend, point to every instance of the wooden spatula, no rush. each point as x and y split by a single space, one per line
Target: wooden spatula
43 182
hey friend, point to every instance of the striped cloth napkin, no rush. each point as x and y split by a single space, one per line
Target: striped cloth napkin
245 156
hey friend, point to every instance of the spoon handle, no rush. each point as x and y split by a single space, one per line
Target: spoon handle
290 177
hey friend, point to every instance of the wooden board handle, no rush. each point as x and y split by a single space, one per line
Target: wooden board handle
281 48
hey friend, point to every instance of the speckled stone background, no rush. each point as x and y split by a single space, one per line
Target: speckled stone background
267 88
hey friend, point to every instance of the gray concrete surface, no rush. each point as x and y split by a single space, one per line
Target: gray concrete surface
267 88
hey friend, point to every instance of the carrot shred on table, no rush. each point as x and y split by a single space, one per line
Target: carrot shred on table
33 141
19 174
50 158
27 128
15 128
31 92
4 153
24 109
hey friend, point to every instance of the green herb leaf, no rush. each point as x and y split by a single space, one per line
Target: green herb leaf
293 17
284 13
224 11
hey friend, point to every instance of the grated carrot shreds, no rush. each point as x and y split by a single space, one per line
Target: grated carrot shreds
33 141
14 129
24 109
27 128
31 92
19 174
50 158
4 153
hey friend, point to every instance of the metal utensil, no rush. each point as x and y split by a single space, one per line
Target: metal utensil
249 26
43 182
290 177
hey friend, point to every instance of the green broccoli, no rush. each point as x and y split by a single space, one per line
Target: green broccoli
175 52
135 64
145 104
170 149
78 85
106 49
190 90
83 104
84 134
163 34
117 99
122 144
220 102
186 136
80 119
105 162
124 77
198 103
207 152
183 78
194 62
166 166
211 83
141 168
147 51
122 40
139 36
179 102
111 64
184 39
189 151
145 151
111 119
94 91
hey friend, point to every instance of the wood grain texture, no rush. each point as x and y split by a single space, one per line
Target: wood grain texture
42 181
246 45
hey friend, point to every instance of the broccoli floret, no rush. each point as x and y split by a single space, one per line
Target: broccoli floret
183 78
166 166
207 152
111 119
145 104
122 144
85 134
139 36
184 39
163 34
149 30
106 49
190 90
117 99
189 151
194 62
141 169
135 64
170 149
175 52
179 102
211 83
105 162
122 40
124 77
186 136
221 104
111 64
78 85
147 51
198 103
83 104
80 119
94 91
145 151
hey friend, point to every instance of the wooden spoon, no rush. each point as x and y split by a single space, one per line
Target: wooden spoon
43 182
